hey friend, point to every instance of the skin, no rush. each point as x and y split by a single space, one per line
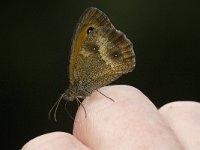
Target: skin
132 122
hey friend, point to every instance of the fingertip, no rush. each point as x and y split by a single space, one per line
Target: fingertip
108 96
55 141
184 119
131 116
180 111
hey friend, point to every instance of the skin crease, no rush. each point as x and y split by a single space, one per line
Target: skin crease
130 123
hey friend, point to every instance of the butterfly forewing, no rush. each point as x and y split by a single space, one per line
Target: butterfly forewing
92 18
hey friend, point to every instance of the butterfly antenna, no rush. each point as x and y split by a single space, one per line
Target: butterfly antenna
105 96
69 114
56 108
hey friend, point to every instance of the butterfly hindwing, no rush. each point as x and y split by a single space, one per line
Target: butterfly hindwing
106 54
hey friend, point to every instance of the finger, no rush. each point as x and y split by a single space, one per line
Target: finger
131 122
55 141
184 119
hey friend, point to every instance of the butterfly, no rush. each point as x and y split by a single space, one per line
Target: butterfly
100 54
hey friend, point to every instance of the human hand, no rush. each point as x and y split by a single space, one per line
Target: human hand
131 122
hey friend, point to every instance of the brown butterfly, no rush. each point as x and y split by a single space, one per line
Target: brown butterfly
99 55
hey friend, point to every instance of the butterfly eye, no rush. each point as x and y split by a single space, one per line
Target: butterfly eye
89 30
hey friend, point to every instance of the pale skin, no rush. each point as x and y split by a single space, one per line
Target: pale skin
132 122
